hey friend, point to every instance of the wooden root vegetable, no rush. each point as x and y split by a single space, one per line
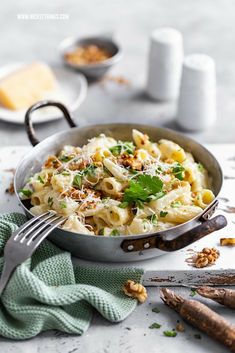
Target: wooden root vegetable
220 295
200 316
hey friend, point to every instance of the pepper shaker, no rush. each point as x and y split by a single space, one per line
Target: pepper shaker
197 100
165 64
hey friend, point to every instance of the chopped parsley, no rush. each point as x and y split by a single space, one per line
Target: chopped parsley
153 219
64 173
50 201
163 214
179 171
122 147
63 204
155 325
159 170
26 192
66 158
200 167
114 232
155 310
105 199
133 171
89 171
123 204
40 179
170 333
143 188
176 204
193 293
101 231
77 180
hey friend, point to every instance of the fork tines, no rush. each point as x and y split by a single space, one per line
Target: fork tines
34 228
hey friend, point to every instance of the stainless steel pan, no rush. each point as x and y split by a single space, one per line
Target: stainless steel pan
120 248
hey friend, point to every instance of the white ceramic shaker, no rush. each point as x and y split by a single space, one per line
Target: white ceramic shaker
197 100
165 64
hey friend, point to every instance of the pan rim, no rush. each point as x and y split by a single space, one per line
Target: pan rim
130 125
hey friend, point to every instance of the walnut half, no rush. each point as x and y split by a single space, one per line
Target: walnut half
206 257
135 290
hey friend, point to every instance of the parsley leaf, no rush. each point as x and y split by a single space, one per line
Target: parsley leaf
123 204
40 179
153 219
178 171
155 310
142 189
155 325
193 292
101 231
63 204
77 180
89 171
50 201
122 147
152 184
66 158
114 232
163 214
26 192
200 167
64 173
176 204
170 333
159 170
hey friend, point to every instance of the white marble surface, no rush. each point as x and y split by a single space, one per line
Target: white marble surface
129 336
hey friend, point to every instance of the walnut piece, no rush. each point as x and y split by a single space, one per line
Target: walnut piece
206 257
135 290
180 327
10 190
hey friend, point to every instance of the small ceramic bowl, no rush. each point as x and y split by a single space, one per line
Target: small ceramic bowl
96 70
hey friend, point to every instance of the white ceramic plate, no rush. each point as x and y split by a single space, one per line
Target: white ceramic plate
72 90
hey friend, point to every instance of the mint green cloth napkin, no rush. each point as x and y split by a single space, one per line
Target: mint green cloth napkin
49 292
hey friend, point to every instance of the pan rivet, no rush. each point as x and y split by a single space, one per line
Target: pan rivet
146 245
130 247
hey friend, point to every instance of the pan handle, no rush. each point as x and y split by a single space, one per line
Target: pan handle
187 238
47 103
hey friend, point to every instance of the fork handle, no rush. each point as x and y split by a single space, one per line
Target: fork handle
6 274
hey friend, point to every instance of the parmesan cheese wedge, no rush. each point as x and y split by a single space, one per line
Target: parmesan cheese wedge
26 86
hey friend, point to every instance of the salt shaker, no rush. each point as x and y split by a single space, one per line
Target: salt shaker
165 64
197 100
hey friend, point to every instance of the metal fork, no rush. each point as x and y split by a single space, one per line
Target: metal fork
25 240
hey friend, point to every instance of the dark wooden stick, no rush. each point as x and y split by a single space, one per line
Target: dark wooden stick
220 295
200 316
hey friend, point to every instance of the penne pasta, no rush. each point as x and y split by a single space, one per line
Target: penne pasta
112 187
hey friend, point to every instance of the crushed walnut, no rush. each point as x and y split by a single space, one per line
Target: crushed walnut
120 80
135 290
130 161
87 54
205 257
180 327
10 190
52 162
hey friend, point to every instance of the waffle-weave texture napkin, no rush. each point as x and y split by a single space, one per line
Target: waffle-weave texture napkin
49 292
